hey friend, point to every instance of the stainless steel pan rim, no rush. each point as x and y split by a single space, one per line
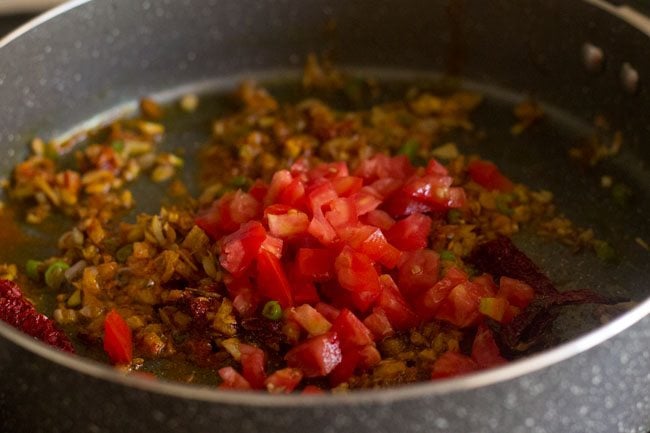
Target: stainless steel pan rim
468 382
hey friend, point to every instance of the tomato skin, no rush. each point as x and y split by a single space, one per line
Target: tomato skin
283 381
410 233
488 176
227 213
451 364
371 241
272 280
233 380
378 218
328 311
280 180
350 330
350 359
293 194
356 273
397 310
118 339
418 271
516 292
315 264
485 351
253 361
316 356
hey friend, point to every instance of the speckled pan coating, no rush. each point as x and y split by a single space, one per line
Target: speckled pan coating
101 54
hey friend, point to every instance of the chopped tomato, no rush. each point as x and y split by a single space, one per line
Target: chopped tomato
382 166
227 213
329 170
310 319
342 213
366 200
330 312
273 245
418 271
315 263
351 331
378 218
485 350
461 306
283 381
410 233
240 248
370 241
304 292
232 379
356 273
253 361
378 324
258 190
488 176
494 308
435 168
271 279
391 301
516 292
118 340
370 356
452 364
487 283
293 194
316 356
400 205
350 359
346 186
280 180
312 389
285 222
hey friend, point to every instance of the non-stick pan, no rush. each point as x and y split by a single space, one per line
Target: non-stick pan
90 60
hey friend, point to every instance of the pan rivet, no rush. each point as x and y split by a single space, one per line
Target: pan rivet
593 57
629 78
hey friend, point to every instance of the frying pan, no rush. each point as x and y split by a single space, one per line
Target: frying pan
87 61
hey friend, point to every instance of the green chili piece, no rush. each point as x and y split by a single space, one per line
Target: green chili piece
453 216
410 150
604 251
75 299
240 182
54 275
272 310
118 145
32 269
447 255
124 253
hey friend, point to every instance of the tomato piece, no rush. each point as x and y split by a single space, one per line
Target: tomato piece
246 303
366 200
288 224
329 170
310 319
283 381
293 194
312 389
461 306
487 283
273 245
371 241
328 311
232 379
226 214
410 233
401 204
510 313
516 292
280 180
304 292
239 249
435 191
391 301
495 308
485 351
346 186
316 356
378 324
452 364
435 168
253 362
351 331
272 280
321 229
370 356
386 187
378 218
342 213
418 271
315 264
355 272
258 190
382 166
350 359
488 176
118 339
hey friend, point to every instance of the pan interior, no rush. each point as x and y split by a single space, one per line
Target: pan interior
538 158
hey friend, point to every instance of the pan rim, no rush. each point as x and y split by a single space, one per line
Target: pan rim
473 381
